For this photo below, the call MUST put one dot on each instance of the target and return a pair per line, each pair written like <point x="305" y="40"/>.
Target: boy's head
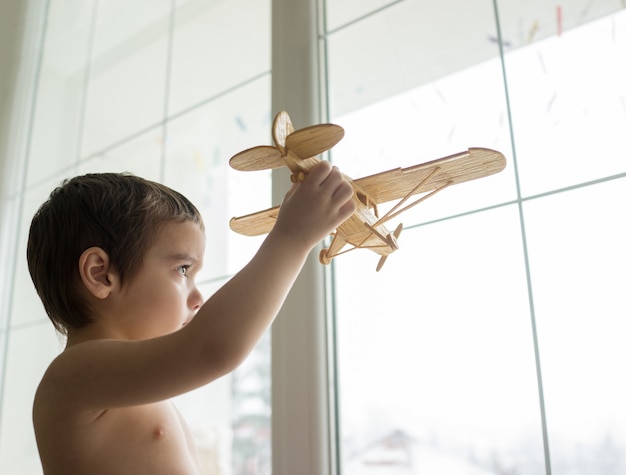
<point x="119" y="213"/>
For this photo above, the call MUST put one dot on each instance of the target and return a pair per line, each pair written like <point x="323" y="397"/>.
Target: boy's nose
<point x="195" y="300"/>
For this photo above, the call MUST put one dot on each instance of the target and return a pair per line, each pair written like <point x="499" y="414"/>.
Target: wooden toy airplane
<point x="365" y="228"/>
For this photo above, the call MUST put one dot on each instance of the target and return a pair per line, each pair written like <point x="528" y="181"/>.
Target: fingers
<point x="338" y="189"/>
<point x="343" y="191"/>
<point x="315" y="207"/>
<point x="320" y="172"/>
<point x="349" y="206"/>
<point x="330" y="178"/>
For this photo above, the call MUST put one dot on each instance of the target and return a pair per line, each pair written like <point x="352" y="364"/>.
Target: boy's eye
<point x="183" y="270"/>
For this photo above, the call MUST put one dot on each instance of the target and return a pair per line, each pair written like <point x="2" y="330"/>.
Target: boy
<point x="113" y="258"/>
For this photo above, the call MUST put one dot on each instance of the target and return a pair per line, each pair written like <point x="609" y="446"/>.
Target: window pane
<point x="340" y="12"/>
<point x="578" y="261"/>
<point x="145" y="150"/>
<point x="61" y="89"/>
<point x="435" y="353"/>
<point x="127" y="72"/>
<point x="568" y="99"/>
<point x="406" y="45"/>
<point x="30" y="350"/>
<point x="217" y="45"/>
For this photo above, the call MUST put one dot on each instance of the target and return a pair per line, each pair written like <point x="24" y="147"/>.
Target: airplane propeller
<point x="262" y="157"/>
<point x="394" y="245"/>
<point x="313" y="140"/>
<point x="304" y="144"/>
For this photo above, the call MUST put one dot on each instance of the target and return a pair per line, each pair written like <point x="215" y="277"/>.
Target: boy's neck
<point x="89" y="333"/>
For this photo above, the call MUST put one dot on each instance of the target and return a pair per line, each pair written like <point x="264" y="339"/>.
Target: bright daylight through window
<point x="436" y="358"/>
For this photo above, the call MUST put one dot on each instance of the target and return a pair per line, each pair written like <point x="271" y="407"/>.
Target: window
<point x="149" y="87"/>
<point x="497" y="321"/>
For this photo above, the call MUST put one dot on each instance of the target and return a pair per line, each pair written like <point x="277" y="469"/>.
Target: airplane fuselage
<point x="362" y="229"/>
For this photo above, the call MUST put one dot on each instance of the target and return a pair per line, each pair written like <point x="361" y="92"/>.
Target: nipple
<point x="158" y="433"/>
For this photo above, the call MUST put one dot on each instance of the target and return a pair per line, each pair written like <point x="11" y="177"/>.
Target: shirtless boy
<point x="113" y="258"/>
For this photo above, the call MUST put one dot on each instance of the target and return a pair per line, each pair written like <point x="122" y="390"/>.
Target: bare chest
<point x="142" y="439"/>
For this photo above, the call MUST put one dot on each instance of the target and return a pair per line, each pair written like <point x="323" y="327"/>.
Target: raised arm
<point x="111" y="373"/>
<point x="235" y="317"/>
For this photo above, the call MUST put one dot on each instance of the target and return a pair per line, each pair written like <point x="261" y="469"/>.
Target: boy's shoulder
<point x="69" y="383"/>
<point x="57" y="388"/>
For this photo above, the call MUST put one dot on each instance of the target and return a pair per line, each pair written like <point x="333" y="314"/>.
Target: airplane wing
<point x="255" y="224"/>
<point x="398" y="183"/>
<point x="263" y="157"/>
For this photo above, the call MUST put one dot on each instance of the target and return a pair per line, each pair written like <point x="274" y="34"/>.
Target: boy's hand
<point x="314" y="208"/>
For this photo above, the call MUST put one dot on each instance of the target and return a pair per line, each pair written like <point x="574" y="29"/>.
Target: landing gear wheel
<point x="324" y="258"/>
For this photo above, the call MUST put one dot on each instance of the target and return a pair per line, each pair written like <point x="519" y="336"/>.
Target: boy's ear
<point x="95" y="272"/>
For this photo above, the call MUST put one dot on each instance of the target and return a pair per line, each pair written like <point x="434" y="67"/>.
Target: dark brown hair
<point x="118" y="212"/>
